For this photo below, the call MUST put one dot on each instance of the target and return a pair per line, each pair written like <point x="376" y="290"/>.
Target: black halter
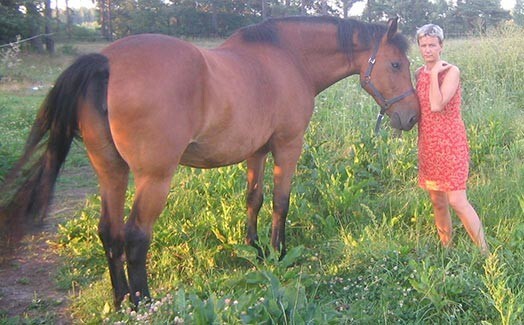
<point x="385" y="104"/>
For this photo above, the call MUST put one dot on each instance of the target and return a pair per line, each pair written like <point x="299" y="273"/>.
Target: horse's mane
<point x="268" y="31"/>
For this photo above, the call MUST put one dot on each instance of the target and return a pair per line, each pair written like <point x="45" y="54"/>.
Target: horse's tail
<point x="27" y="189"/>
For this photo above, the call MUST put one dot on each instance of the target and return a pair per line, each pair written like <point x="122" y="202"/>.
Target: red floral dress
<point x="443" y="152"/>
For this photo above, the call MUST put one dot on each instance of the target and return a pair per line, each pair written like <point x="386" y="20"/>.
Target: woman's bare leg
<point x="467" y="214"/>
<point x="439" y="200"/>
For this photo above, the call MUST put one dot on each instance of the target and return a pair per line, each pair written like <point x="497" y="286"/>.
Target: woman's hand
<point x="439" y="67"/>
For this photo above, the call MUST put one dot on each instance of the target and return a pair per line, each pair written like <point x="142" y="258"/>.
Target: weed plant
<point x="363" y="248"/>
<point x="9" y="56"/>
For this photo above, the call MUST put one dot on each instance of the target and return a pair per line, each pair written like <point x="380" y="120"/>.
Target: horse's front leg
<point x="255" y="197"/>
<point x="149" y="202"/>
<point x="286" y="157"/>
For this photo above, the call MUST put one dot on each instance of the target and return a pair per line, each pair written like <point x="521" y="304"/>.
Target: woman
<point x="443" y="148"/>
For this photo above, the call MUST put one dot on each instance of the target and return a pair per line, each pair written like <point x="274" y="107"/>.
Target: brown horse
<point x="148" y="103"/>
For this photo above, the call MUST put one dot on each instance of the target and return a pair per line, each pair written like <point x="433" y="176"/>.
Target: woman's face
<point x="430" y="48"/>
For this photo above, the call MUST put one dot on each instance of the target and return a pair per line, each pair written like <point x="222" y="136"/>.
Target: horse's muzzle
<point x="404" y="122"/>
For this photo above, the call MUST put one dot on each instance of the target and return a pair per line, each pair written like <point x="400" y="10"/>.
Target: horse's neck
<point x="314" y="48"/>
<point x="318" y="53"/>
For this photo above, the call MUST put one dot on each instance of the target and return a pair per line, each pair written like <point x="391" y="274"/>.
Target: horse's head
<point x="387" y="77"/>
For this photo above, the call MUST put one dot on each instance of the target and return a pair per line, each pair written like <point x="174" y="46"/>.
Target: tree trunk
<point x="69" y="30"/>
<point x="102" y="16"/>
<point x="34" y="26"/>
<point x="104" y="7"/>
<point x="214" y="19"/>
<point x="264" y="9"/>
<point x="49" y="41"/>
<point x="109" y="21"/>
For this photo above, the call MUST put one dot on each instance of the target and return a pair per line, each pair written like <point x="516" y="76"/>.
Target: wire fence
<point x="25" y="40"/>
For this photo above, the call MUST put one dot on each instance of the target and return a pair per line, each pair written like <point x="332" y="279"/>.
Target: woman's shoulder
<point x="452" y="73"/>
<point x="418" y="72"/>
<point x="453" y="69"/>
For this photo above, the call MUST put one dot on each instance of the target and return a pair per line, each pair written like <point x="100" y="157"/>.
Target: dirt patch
<point x="28" y="271"/>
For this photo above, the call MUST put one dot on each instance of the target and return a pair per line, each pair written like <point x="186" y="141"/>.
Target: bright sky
<point x="357" y="8"/>
<point x="73" y="3"/>
<point x="507" y="4"/>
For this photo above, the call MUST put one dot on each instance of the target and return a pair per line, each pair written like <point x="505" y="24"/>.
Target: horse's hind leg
<point x="113" y="175"/>
<point x="255" y="196"/>
<point x="150" y="200"/>
<point x="113" y="185"/>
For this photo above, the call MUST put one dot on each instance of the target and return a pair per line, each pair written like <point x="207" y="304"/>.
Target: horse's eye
<point x="395" y="65"/>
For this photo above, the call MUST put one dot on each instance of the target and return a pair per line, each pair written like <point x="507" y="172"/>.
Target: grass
<point x="362" y="244"/>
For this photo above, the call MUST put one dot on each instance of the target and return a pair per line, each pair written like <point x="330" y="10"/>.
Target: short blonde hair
<point x="430" y="30"/>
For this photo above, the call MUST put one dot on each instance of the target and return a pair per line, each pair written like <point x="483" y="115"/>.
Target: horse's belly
<point x="200" y="156"/>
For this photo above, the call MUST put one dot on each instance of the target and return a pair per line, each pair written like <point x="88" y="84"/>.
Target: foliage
<point x="9" y="56"/>
<point x="472" y="17"/>
<point x="220" y="17"/>
<point x="143" y="16"/>
<point x="362" y="244"/>
<point x="478" y="15"/>
<point x="213" y="18"/>
<point x="194" y="22"/>
<point x="77" y="33"/>
<point x="11" y="22"/>
<point x="412" y="14"/>
<point x="518" y="12"/>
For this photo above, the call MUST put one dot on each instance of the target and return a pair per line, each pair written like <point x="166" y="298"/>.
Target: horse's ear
<point x="392" y="27"/>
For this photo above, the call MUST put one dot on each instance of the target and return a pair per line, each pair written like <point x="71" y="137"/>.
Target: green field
<point x="363" y="248"/>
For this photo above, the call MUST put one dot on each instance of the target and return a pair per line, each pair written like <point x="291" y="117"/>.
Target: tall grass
<point x="363" y="246"/>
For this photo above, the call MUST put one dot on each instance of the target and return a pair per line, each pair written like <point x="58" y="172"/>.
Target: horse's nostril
<point x="410" y="123"/>
<point x="413" y="120"/>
